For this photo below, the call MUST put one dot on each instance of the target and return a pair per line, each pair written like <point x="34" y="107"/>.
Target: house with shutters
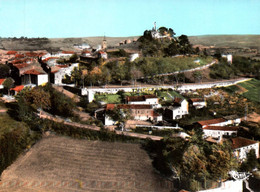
<point x="198" y="103"/>
<point x="178" y="109"/>
<point x="219" y="131"/>
<point x="138" y="112"/>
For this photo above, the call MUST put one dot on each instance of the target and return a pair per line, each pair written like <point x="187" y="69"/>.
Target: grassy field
<point x="251" y="89"/>
<point x="159" y="65"/>
<point x="65" y="164"/>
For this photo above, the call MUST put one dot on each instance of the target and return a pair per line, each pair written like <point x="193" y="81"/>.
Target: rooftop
<point x="18" y="88"/>
<point x="197" y="99"/>
<point x="125" y="106"/>
<point x="239" y="142"/>
<point x="140" y="98"/>
<point x="33" y="72"/>
<point x="211" y="121"/>
<point x="1" y="81"/>
<point x="221" y="128"/>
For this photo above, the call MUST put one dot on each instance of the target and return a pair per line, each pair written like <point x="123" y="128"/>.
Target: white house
<point x="198" y="103"/>
<point x="34" y="76"/>
<point x="228" y="57"/>
<point x="179" y="109"/>
<point x="59" y="72"/>
<point x="241" y="146"/>
<point x="133" y="57"/>
<point x="219" y="131"/>
<point x="143" y="100"/>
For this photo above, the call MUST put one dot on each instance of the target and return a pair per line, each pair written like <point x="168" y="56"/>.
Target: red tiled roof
<point x="197" y="99"/>
<point x="239" y="142"/>
<point x="31" y="54"/>
<point x="11" y="52"/>
<point x="86" y="52"/>
<point x="221" y="128"/>
<point x="68" y="52"/>
<point x="140" y="98"/>
<point x="47" y="59"/>
<point x="22" y="65"/>
<point x="33" y="72"/>
<point x="211" y="121"/>
<point x="178" y="100"/>
<point x="18" y="88"/>
<point x="62" y="66"/>
<point x="1" y="81"/>
<point x="19" y="56"/>
<point x="125" y="106"/>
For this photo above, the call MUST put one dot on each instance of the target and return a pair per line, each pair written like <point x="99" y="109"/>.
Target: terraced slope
<point x="65" y="164"/>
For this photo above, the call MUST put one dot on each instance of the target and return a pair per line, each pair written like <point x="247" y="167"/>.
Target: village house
<point x="138" y="112"/>
<point x="17" y="89"/>
<point x="213" y="122"/>
<point x="233" y="119"/>
<point x="143" y="100"/>
<point x="219" y="131"/>
<point x="198" y="103"/>
<point x="179" y="108"/>
<point x="241" y="146"/>
<point x="59" y="72"/>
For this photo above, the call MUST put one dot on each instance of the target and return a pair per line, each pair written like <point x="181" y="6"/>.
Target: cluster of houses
<point x="34" y="68"/>
<point x="143" y="108"/>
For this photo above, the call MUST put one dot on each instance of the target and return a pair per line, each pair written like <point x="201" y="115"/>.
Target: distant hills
<point x="241" y="41"/>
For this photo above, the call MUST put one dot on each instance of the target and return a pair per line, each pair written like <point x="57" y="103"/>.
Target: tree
<point x="119" y="115"/>
<point x="197" y="75"/>
<point x="8" y="84"/>
<point x="73" y="58"/>
<point x="251" y="161"/>
<point x="76" y="75"/>
<point x="185" y="46"/>
<point x="5" y="71"/>
<point x="172" y="49"/>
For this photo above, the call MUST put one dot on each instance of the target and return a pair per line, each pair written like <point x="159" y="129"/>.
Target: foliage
<point x="194" y="161"/>
<point x="8" y="84"/>
<point x="5" y="71"/>
<point x="251" y="161"/>
<point x="45" y="97"/>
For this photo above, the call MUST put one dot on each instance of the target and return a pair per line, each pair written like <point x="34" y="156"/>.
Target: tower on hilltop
<point x="104" y="43"/>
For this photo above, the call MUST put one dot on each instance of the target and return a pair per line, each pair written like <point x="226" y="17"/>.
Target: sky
<point x="121" y="18"/>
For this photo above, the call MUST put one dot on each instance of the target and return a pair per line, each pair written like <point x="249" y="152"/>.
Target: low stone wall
<point x="228" y="186"/>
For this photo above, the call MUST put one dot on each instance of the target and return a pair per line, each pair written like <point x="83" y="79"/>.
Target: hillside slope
<point x="65" y="164"/>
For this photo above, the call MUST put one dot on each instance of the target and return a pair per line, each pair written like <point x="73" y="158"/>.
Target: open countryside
<point x="126" y="96"/>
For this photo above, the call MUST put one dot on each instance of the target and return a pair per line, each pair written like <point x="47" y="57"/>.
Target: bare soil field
<point x="254" y="117"/>
<point x="63" y="164"/>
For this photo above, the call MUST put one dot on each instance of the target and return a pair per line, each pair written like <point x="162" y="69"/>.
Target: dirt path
<point x="45" y="115"/>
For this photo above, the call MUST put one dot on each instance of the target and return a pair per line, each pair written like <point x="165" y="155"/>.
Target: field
<point x="65" y="164"/>
<point x="242" y="41"/>
<point x="249" y="89"/>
